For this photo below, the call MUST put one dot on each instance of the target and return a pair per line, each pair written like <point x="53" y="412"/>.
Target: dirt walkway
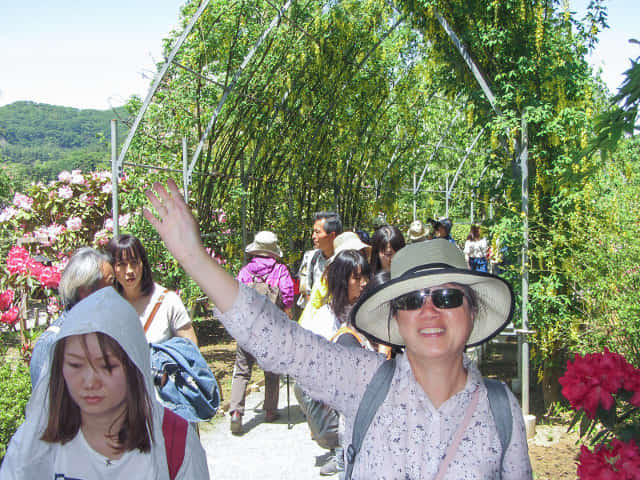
<point x="269" y="451"/>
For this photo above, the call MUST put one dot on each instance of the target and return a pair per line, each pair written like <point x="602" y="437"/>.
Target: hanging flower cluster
<point x="604" y="389"/>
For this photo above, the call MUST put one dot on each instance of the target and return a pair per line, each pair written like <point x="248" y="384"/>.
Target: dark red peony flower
<point x="591" y="381"/>
<point x="618" y="460"/>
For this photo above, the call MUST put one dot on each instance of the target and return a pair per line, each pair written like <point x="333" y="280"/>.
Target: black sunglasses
<point x="441" y="298"/>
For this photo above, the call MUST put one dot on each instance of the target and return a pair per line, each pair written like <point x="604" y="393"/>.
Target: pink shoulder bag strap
<point x="453" y="447"/>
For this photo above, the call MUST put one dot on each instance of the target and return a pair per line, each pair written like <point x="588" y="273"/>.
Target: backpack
<point x="191" y="390"/>
<point x="174" y="431"/>
<point x="272" y="292"/>
<point x="377" y="390"/>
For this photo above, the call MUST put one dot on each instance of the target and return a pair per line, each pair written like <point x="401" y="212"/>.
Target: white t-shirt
<point x="76" y="460"/>
<point x="476" y="249"/>
<point x="171" y="315"/>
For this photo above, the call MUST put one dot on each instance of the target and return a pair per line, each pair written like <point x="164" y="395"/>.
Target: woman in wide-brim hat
<point x="433" y="306"/>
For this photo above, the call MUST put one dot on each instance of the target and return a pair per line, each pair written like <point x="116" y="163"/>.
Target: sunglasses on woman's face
<point x="441" y="298"/>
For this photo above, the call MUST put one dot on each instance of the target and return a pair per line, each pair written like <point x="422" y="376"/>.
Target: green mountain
<point x="37" y="141"/>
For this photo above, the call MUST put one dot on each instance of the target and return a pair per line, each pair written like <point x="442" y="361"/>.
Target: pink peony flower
<point x="74" y="224"/>
<point x="49" y="277"/>
<point x="22" y="201"/>
<point x="108" y="224"/>
<point x="10" y="317"/>
<point x="6" y="299"/>
<point x="64" y="176"/>
<point x="107" y="188"/>
<point x="65" y="192"/>
<point x="7" y="214"/>
<point x="101" y="237"/>
<point x="53" y="306"/>
<point x="17" y="261"/>
<point x="123" y="220"/>
<point x="77" y="178"/>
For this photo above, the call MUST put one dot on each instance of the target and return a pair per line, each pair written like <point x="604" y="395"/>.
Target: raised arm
<point x="179" y="232"/>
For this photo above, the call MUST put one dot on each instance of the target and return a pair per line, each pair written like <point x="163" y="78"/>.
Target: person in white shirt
<point x="161" y="311"/>
<point x="475" y="250"/>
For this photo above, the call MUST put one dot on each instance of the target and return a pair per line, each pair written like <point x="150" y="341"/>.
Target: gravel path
<point x="268" y="451"/>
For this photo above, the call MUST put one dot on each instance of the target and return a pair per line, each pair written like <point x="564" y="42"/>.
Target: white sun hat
<point x="348" y="241"/>
<point x="428" y="264"/>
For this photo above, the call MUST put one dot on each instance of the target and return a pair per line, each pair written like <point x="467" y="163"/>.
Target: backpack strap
<point x="155" y="310"/>
<point x="344" y="330"/>
<point x="501" y="411"/>
<point x="174" y="430"/>
<point x="312" y="266"/>
<point x="373" y="397"/>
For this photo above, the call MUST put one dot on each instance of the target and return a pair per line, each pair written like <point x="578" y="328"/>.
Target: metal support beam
<point x="524" y="156"/>
<point x="116" y="173"/>
<point x="464" y="159"/>
<point x="470" y="63"/>
<point x="186" y="175"/>
<point x="435" y="151"/>
<point x="276" y="20"/>
<point x="158" y="79"/>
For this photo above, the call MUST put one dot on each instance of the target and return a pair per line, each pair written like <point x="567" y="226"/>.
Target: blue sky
<point x="89" y="54"/>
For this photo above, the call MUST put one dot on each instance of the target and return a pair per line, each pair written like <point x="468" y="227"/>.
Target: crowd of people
<point x="403" y="307"/>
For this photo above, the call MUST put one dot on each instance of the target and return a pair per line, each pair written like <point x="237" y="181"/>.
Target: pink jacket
<point x="277" y="275"/>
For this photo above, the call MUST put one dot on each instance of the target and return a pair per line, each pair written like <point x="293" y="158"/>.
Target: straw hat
<point x="417" y="231"/>
<point x="348" y="241"/>
<point x="264" y="243"/>
<point x="428" y="264"/>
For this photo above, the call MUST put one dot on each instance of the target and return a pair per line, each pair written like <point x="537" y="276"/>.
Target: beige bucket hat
<point x="417" y="231"/>
<point x="264" y="243"/>
<point x="428" y="264"/>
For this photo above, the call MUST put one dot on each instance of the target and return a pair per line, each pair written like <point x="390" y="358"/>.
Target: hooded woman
<point x="94" y="414"/>
<point x="436" y="420"/>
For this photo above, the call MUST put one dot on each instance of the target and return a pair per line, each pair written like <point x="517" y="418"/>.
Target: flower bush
<point x="604" y="389"/>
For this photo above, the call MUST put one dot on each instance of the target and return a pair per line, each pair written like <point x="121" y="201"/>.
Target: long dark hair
<point x="64" y="414"/>
<point x="474" y="233"/>
<point x="338" y="273"/>
<point x="127" y="247"/>
<point x="385" y="235"/>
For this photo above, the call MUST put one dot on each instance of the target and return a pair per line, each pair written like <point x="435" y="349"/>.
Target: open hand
<point x="174" y="222"/>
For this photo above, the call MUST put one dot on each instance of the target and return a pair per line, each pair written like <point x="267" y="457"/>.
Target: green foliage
<point x="603" y="267"/>
<point x="15" y="390"/>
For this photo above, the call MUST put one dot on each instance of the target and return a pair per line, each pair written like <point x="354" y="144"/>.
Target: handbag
<point x="188" y="387"/>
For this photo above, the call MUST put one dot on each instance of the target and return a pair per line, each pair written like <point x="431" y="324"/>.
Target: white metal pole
<point x="115" y="174"/>
<point x="524" y="154"/>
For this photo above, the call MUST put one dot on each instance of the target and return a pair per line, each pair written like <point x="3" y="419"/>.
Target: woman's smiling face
<point x="436" y="333"/>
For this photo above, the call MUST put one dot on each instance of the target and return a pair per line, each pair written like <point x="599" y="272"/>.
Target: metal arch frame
<point x="117" y="163"/>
